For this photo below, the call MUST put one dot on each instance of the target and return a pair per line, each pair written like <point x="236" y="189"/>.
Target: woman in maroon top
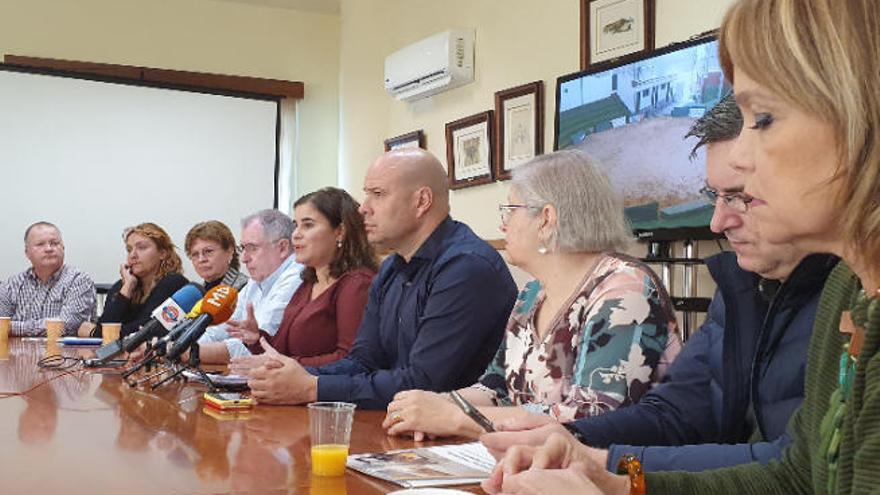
<point x="322" y="318"/>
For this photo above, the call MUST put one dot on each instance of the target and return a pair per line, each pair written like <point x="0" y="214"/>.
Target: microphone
<point x="164" y="317"/>
<point x="217" y="307"/>
<point x="178" y="329"/>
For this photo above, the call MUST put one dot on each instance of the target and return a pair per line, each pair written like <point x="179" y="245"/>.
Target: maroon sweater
<point x="322" y="330"/>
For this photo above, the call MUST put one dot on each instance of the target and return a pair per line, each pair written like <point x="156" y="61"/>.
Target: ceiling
<point x="315" y="6"/>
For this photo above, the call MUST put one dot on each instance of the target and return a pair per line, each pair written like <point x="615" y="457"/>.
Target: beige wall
<point x="198" y="35"/>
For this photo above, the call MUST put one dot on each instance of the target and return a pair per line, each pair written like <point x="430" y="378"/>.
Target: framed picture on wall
<point x="414" y="139"/>
<point x="519" y="125"/>
<point x="614" y="28"/>
<point x="469" y="150"/>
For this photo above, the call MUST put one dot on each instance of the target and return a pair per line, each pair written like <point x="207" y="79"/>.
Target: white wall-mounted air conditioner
<point x="435" y="64"/>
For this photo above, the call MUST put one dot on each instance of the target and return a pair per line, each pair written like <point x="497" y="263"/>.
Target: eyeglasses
<point x="737" y="201"/>
<point x="507" y="210"/>
<point x="206" y="253"/>
<point x="45" y="244"/>
<point x="251" y="248"/>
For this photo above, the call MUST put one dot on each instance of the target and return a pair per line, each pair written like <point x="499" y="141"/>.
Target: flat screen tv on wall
<point x="632" y="117"/>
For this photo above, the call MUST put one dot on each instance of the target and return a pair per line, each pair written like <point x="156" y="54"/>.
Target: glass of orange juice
<point x="330" y="425"/>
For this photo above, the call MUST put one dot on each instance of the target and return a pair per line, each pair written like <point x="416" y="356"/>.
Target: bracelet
<point x="632" y="467"/>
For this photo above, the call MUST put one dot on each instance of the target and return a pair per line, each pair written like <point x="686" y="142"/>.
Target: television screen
<point x="632" y="117"/>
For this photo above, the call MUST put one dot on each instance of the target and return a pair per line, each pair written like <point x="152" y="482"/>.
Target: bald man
<point x="436" y="310"/>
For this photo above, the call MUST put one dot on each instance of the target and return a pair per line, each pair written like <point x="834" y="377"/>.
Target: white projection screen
<point x="94" y="157"/>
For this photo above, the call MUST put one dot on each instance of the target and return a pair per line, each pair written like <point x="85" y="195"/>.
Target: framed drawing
<point x="414" y="139"/>
<point x="614" y="28"/>
<point x="519" y="124"/>
<point x="469" y="150"/>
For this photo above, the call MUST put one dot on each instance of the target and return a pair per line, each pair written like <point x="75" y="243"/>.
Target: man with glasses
<point x="727" y="398"/>
<point x="267" y="253"/>
<point x="436" y="311"/>
<point x="48" y="289"/>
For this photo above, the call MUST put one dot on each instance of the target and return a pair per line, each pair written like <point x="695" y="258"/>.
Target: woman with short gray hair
<point x="592" y="332"/>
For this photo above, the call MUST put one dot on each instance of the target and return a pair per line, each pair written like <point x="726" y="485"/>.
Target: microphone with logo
<point x="217" y="307"/>
<point x="165" y="317"/>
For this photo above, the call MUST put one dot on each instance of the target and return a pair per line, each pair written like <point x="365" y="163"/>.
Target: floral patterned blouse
<point x="604" y="350"/>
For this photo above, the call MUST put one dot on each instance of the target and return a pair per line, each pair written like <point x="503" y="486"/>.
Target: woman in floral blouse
<point x="594" y="330"/>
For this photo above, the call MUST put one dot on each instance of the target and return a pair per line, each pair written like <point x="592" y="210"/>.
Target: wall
<point x="198" y="35"/>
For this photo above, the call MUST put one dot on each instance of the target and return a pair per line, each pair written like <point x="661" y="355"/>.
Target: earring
<point x="339" y="243"/>
<point x="542" y="249"/>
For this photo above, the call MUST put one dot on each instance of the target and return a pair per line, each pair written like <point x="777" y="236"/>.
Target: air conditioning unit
<point x="430" y="66"/>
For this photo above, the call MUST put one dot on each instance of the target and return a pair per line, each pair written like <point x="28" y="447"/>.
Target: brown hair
<point x="170" y="264"/>
<point x="216" y="231"/>
<point x="339" y="208"/>
<point x="822" y="56"/>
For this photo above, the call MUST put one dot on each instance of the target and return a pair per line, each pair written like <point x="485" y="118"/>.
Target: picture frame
<point x="612" y="29"/>
<point x="519" y="127"/>
<point x="470" y="150"/>
<point x="414" y="139"/>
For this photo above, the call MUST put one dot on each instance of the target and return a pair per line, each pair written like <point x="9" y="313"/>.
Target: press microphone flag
<point x="217" y="307"/>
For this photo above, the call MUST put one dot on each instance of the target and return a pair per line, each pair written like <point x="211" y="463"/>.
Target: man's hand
<point x="288" y="384"/>
<point x="246" y="330"/>
<point x="531" y="429"/>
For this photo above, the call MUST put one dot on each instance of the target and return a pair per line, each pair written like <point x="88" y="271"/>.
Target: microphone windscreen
<point x="187" y="296"/>
<point x="195" y="311"/>
<point x="220" y="303"/>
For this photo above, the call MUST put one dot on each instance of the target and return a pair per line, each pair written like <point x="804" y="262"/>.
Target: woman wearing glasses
<point x="150" y="275"/>
<point x="210" y="247"/>
<point x="321" y="321"/>
<point x="592" y="332"/>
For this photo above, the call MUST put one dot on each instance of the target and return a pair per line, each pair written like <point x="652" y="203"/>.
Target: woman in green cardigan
<point x="806" y="75"/>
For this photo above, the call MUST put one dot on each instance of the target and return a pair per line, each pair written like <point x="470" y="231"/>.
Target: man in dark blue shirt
<point x="436" y="311"/>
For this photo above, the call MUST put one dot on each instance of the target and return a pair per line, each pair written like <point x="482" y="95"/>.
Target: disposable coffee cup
<point x="330" y="427"/>
<point x="54" y="328"/>
<point x="5" y="327"/>
<point x="110" y="331"/>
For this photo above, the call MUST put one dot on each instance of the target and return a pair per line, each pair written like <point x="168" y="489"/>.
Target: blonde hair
<point x="822" y="56"/>
<point x="170" y="263"/>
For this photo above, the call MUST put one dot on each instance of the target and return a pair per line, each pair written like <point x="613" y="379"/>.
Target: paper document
<point x="428" y="466"/>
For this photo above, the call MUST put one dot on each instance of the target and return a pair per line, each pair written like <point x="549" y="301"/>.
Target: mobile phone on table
<point x="228" y="401"/>
<point x="472" y="411"/>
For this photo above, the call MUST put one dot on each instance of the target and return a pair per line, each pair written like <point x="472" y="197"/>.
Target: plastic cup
<point x="330" y="426"/>
<point x="110" y="332"/>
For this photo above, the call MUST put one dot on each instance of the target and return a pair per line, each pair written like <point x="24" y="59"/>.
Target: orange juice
<point x="329" y="459"/>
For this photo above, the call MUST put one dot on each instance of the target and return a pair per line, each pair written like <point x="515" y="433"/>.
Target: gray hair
<point x="276" y="225"/>
<point x="590" y="215"/>
<point x="27" y="231"/>
<point x="722" y="122"/>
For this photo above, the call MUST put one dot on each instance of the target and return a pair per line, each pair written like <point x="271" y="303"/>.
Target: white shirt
<point x="269" y="297"/>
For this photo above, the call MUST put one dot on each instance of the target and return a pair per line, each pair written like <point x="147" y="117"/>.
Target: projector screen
<point x="95" y="157"/>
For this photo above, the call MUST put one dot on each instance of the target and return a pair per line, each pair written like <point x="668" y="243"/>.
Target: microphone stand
<point x="193" y="366"/>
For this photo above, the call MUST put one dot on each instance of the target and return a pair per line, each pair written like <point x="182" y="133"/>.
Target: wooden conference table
<point x="89" y="432"/>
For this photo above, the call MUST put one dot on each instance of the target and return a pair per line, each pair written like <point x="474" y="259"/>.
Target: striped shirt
<point x="69" y="294"/>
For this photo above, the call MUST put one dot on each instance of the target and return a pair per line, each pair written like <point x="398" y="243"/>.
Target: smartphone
<point x="228" y="401"/>
<point x="472" y="411"/>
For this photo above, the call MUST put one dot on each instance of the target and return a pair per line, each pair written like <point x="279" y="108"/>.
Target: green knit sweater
<point x="803" y="469"/>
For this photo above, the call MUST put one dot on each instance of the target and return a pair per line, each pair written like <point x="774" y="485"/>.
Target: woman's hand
<point x="558" y="452"/>
<point x="246" y="330"/>
<point x="129" y="281"/>
<point x="570" y="481"/>
<point x="421" y="413"/>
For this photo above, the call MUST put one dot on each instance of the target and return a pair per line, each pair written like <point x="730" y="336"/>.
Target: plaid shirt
<point x="69" y="294"/>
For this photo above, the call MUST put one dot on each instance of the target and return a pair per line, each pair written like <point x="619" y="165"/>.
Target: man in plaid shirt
<point x="48" y="289"/>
